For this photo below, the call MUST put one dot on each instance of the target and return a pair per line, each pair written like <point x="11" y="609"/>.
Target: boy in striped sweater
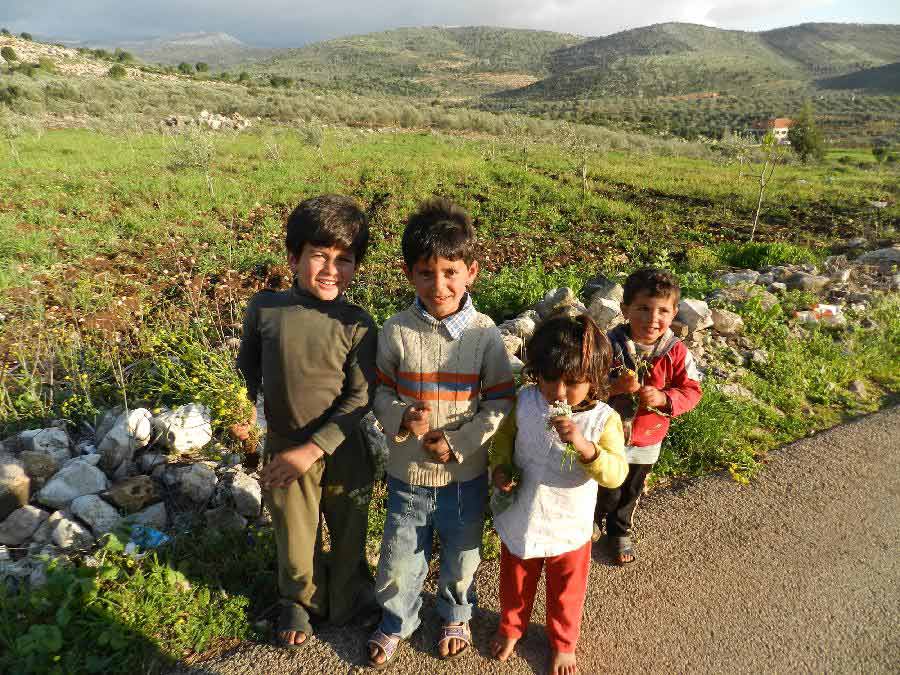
<point x="444" y="386"/>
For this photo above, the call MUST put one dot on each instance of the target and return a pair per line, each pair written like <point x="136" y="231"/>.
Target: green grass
<point x="122" y="276"/>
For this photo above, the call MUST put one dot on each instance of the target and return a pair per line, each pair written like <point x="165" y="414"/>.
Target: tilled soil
<point x="797" y="572"/>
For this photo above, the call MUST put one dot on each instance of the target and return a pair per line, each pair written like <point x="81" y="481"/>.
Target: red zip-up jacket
<point x="672" y="371"/>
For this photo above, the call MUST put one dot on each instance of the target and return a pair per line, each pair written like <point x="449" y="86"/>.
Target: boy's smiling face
<point x="323" y="271"/>
<point x="649" y="317"/>
<point x="441" y="283"/>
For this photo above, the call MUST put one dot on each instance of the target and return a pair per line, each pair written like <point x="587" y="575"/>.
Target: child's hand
<point x="627" y="383"/>
<point x="569" y="433"/>
<point x="416" y="418"/>
<point x="502" y="481"/>
<point x="651" y="397"/>
<point x="288" y="466"/>
<point x="434" y="443"/>
<point x="241" y="431"/>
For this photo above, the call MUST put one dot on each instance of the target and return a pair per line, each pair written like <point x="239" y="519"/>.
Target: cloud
<point x="291" y="23"/>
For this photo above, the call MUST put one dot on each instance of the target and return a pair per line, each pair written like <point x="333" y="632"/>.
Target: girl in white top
<point x="551" y="466"/>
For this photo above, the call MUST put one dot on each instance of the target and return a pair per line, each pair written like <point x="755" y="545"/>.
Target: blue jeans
<point x="414" y="513"/>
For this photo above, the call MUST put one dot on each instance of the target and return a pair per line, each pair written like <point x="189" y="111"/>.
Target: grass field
<point x="126" y="259"/>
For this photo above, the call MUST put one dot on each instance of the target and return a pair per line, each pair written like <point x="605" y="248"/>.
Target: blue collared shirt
<point x="454" y="324"/>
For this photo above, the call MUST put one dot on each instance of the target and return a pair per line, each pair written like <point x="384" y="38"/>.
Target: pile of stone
<point x="59" y="495"/>
<point x="206" y="120"/>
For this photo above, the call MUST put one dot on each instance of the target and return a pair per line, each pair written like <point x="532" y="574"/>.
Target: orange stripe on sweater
<point x="509" y="384"/>
<point x="438" y="395"/>
<point x="384" y="379"/>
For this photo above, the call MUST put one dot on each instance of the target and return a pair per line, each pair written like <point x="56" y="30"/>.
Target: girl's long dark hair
<point x="571" y="348"/>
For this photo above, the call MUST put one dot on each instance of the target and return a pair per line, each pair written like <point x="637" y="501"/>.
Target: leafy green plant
<point x="117" y="72"/>
<point x="9" y="54"/>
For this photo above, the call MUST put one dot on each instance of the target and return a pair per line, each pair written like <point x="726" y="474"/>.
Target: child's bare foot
<point x="288" y="638"/>
<point x="502" y="646"/>
<point x="563" y="664"/>
<point x="624" y="558"/>
<point x="454" y="640"/>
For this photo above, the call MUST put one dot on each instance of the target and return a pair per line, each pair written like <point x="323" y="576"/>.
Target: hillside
<point x="427" y="61"/>
<point x="883" y="79"/>
<point x="677" y="59"/>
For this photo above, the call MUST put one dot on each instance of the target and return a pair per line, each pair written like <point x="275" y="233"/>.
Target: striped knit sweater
<point x="467" y="382"/>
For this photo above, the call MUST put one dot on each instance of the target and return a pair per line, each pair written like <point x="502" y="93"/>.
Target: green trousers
<point x="338" y="487"/>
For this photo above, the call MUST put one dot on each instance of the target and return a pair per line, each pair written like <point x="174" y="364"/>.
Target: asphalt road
<point x="797" y="572"/>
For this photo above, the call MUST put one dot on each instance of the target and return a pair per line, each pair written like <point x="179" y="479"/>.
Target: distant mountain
<point x="677" y="59"/>
<point x="429" y="61"/>
<point x="220" y="50"/>
<point x="880" y="80"/>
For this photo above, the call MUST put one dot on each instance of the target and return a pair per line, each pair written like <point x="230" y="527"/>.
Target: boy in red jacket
<point x="655" y="380"/>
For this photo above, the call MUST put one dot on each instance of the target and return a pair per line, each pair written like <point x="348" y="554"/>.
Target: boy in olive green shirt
<point x="313" y="356"/>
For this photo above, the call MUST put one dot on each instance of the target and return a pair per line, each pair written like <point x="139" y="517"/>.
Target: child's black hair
<point x="572" y="349"/>
<point x="654" y="282"/>
<point x="438" y="228"/>
<point x="328" y="220"/>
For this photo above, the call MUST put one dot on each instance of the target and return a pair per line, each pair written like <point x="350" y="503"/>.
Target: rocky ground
<point x="797" y="572"/>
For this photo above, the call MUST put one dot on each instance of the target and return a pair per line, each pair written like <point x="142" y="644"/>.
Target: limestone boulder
<point x="523" y="326"/>
<point x="154" y="516"/>
<point x="132" y="431"/>
<point x="69" y="533"/>
<point x="39" y="466"/>
<point x="15" y="485"/>
<point x="246" y="494"/>
<point x="606" y="312"/>
<point x="225" y="519"/>
<point x="885" y="258"/>
<point x="107" y="422"/>
<point x="133" y="494"/>
<point x="21" y="524"/>
<point x="740" y="295"/>
<point x="99" y="515"/>
<point x="695" y="314"/>
<point x="196" y="482"/>
<point x="726" y="322"/>
<point x="739" y="277"/>
<point x="556" y="299"/>
<point x="186" y="428"/>
<point x="512" y="343"/>
<point x="52" y="441"/>
<point x="603" y="287"/>
<point x="73" y="481"/>
<point x="804" y="281"/>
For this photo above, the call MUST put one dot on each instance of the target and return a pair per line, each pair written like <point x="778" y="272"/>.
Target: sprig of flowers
<point x="570" y="454"/>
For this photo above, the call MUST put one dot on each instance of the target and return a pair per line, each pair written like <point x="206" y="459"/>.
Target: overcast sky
<point x="286" y="23"/>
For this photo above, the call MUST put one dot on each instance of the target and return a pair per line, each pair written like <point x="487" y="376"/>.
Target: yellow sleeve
<point x="610" y="467"/>
<point x="503" y="444"/>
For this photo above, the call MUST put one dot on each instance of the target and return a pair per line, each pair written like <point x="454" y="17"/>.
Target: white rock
<point x="840" y="276"/>
<point x="806" y="282"/>
<point x="553" y="299"/>
<point x="44" y="533"/>
<point x="695" y="314"/>
<point x="186" y="428"/>
<point x="69" y="533"/>
<point x="726" y="322"/>
<point x="512" y="343"/>
<point x="86" y="448"/>
<point x="765" y="279"/>
<point x="196" y="482"/>
<point x="153" y="516"/>
<point x="52" y="441"/>
<point x="857" y="242"/>
<point x="605" y="312"/>
<point x="150" y="461"/>
<point x="604" y="287"/>
<point x="739" y="277"/>
<point x="76" y="480"/>
<point x="777" y="287"/>
<point x="90" y="460"/>
<point x="224" y="518"/>
<point x="21" y="524"/>
<point x="735" y="390"/>
<point x="100" y="516"/>
<point x="522" y="326"/>
<point x="132" y="431"/>
<point x="107" y="422"/>
<point x="247" y="495"/>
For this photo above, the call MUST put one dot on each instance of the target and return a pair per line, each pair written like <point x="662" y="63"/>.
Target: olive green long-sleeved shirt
<point x="315" y="363"/>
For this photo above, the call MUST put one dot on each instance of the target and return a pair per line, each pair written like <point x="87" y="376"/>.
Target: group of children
<point x="571" y="449"/>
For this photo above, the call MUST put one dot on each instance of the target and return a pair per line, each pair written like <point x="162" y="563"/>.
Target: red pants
<point x="567" y="576"/>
